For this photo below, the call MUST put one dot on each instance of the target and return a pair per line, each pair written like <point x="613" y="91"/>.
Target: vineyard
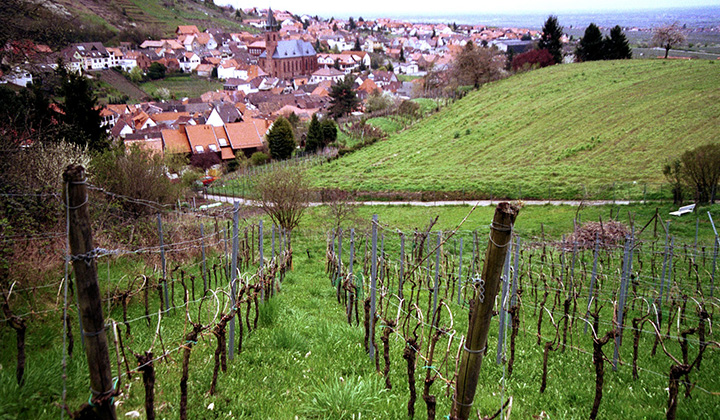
<point x="602" y="296"/>
<point x="240" y="319"/>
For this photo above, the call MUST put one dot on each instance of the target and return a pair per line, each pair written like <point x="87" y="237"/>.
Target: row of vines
<point x="604" y="294"/>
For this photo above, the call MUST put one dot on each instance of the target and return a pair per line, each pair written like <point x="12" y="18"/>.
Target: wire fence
<point x="634" y="289"/>
<point x="423" y="283"/>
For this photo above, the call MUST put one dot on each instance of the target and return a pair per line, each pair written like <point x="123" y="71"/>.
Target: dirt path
<point x="479" y="203"/>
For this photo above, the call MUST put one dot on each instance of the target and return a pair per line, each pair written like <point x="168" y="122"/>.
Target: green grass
<point x="304" y="360"/>
<point x="565" y="131"/>
<point x="182" y="86"/>
<point x="387" y="124"/>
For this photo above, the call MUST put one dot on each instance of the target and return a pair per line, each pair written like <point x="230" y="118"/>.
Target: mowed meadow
<point x="560" y="132"/>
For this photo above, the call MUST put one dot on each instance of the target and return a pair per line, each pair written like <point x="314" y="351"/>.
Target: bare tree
<point x="284" y="196"/>
<point x="701" y="170"/>
<point x="340" y="209"/>
<point x="477" y="65"/>
<point x="667" y="37"/>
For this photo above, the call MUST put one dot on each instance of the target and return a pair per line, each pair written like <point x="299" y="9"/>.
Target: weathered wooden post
<point x="482" y="305"/>
<point x="204" y="263"/>
<point x="83" y="255"/>
<point x="233" y="276"/>
<point x="162" y="261"/>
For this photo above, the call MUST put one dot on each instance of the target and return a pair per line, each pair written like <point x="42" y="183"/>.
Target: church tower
<point x="271" y="40"/>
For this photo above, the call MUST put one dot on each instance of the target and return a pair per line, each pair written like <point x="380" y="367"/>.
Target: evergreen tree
<point x="402" y="54"/>
<point x="591" y="45"/>
<point x="281" y="140"/>
<point x="81" y="115"/>
<point x="351" y="23"/>
<point x="616" y="45"/>
<point x="329" y="131"/>
<point x="293" y="119"/>
<point x="156" y="71"/>
<point x="551" y="38"/>
<point x="344" y="99"/>
<point x="357" y="45"/>
<point x="314" y="139"/>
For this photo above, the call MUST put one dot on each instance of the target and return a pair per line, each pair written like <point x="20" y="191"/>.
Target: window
<point x="213" y="148"/>
<point x="223" y="142"/>
<point x="199" y="149"/>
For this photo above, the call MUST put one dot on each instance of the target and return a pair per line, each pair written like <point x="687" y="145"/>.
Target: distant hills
<point x="554" y="131"/>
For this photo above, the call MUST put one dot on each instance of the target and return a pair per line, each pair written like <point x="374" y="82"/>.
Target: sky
<point x="382" y="8"/>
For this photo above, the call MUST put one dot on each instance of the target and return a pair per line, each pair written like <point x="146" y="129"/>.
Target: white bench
<point x="683" y="210"/>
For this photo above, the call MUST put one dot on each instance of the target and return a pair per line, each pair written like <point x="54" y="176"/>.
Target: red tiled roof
<point x="246" y="134"/>
<point x="202" y="136"/>
<point x="175" y="141"/>
<point x="226" y="153"/>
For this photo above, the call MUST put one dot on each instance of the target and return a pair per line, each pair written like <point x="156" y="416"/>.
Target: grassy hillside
<point x="182" y="85"/>
<point x="156" y="17"/>
<point x="558" y="131"/>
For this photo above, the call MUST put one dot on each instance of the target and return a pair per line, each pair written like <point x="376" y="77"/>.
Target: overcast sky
<point x="378" y="8"/>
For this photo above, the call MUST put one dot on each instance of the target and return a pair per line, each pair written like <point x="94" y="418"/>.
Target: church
<point x="286" y="59"/>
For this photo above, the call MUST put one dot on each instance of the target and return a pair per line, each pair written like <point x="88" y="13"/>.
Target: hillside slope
<point x="155" y="17"/>
<point x="554" y="131"/>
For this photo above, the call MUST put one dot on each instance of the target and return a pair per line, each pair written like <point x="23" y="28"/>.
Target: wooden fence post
<point x="373" y="284"/>
<point x="482" y="305"/>
<point x="83" y="255"/>
<point x="162" y="261"/>
<point x="233" y="276"/>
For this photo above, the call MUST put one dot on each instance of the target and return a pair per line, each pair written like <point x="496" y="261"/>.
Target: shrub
<point x="204" y="161"/>
<point x="532" y="60"/>
<point x="240" y="161"/>
<point x="137" y="174"/>
<point x="259" y="158"/>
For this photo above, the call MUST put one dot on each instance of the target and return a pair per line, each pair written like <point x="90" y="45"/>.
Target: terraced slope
<point x="161" y="15"/>
<point x="557" y="131"/>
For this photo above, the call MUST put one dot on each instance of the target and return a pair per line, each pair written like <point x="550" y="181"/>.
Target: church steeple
<point x="271" y="40"/>
<point x="271" y="24"/>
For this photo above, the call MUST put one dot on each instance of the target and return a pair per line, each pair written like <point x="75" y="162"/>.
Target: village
<point x="287" y="67"/>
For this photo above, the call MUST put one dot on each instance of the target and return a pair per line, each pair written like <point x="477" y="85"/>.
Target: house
<point x="150" y="140"/>
<point x="327" y="73"/>
<point x="92" y="55"/>
<point x="406" y="68"/>
<point x="132" y="59"/>
<point x="517" y="46"/>
<point x="383" y="78"/>
<point x="202" y="139"/>
<point x="231" y="68"/>
<point x="205" y="41"/>
<point x="189" y="62"/>
<point x="175" y="141"/>
<point x="256" y="48"/>
<point x="205" y="70"/>
<point x="222" y="114"/>
<point x="246" y="136"/>
<point x="187" y="30"/>
<point x="17" y="76"/>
